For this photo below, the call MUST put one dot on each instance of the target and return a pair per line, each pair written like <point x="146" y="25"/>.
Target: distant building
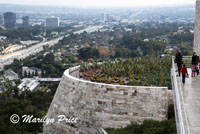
<point x="9" y="19"/>
<point x="31" y="71"/>
<point x="146" y="40"/>
<point x="1" y="68"/>
<point x="2" y="84"/>
<point x="102" y="18"/>
<point x="35" y="83"/>
<point x="29" y="84"/>
<point x="25" y="21"/>
<point x="2" y="38"/>
<point x="109" y="18"/>
<point x="106" y="18"/>
<point x="1" y="19"/>
<point x="11" y="75"/>
<point x="52" y="22"/>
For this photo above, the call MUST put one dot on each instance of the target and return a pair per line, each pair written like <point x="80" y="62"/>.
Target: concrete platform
<point x="190" y="103"/>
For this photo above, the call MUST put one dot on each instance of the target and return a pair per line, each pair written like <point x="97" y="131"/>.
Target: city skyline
<point x="100" y="3"/>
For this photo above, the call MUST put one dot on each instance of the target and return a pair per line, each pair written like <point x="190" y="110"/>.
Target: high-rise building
<point x="9" y="19"/>
<point x="1" y="19"/>
<point x="52" y="22"/>
<point x="109" y="18"/>
<point x="103" y="18"/>
<point x="25" y="21"/>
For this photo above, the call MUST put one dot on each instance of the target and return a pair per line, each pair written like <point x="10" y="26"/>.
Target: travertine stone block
<point x="98" y="105"/>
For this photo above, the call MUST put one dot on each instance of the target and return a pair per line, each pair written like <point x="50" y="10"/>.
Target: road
<point x="21" y="54"/>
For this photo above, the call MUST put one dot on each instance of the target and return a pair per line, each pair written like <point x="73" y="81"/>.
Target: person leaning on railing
<point x="179" y="61"/>
<point x="195" y="61"/>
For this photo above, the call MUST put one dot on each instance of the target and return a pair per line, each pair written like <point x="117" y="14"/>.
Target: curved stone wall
<point x="98" y="105"/>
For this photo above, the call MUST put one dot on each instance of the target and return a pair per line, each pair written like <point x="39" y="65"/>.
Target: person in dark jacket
<point x="195" y="60"/>
<point x="179" y="61"/>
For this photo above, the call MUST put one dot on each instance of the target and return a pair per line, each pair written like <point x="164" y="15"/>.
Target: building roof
<point x="10" y="73"/>
<point x="29" y="84"/>
<point x="32" y="83"/>
<point x="34" y="68"/>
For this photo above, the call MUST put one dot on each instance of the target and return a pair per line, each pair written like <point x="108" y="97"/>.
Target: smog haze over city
<point x="102" y="63"/>
<point x="101" y="3"/>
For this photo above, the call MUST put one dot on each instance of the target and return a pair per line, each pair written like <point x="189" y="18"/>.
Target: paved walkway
<point x="190" y="103"/>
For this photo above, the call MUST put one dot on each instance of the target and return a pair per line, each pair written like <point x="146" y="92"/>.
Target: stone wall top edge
<point x="67" y="74"/>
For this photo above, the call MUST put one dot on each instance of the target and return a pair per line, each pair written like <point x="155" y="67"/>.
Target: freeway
<point x="21" y="54"/>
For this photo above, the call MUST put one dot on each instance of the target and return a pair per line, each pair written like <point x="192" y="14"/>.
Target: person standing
<point x="178" y="60"/>
<point x="184" y="73"/>
<point x="195" y="60"/>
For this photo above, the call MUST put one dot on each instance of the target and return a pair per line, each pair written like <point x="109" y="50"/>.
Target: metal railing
<point x="177" y="100"/>
<point x="187" y="60"/>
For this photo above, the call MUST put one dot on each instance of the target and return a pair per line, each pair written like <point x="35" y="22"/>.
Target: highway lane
<point x="21" y="54"/>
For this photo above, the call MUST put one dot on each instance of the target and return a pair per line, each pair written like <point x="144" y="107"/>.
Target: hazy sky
<point x="100" y="3"/>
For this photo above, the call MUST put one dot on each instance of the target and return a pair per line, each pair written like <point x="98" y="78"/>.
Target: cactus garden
<point x="141" y="71"/>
